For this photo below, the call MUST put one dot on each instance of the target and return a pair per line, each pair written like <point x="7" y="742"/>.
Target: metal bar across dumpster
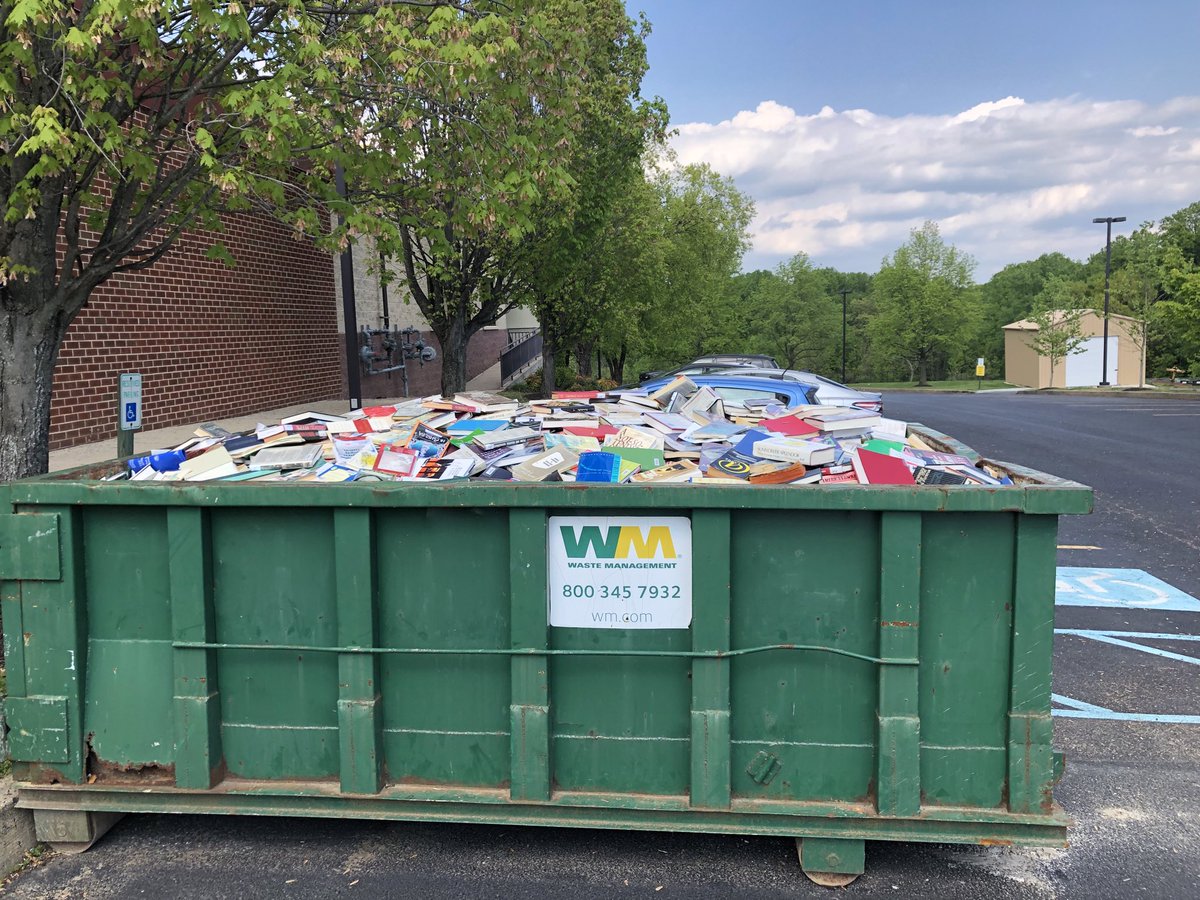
<point x="840" y="663"/>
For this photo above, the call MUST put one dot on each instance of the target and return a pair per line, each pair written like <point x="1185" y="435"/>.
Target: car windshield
<point x="738" y="394"/>
<point x="829" y="381"/>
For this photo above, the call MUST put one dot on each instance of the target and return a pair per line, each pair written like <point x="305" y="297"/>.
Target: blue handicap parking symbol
<point x="1124" y="588"/>
<point x="130" y="412"/>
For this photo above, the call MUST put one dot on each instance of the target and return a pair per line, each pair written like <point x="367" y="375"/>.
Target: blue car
<point x="737" y="388"/>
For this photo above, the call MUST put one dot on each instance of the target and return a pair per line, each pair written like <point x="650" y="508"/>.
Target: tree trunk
<point x="28" y="351"/>
<point x="616" y="365"/>
<point x="583" y="353"/>
<point x="454" y="357"/>
<point x="922" y="373"/>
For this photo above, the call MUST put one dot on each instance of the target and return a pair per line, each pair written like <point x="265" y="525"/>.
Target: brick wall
<point x="209" y="340"/>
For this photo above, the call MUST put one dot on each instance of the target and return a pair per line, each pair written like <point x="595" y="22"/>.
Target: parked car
<point x="714" y="363"/>
<point x="736" y="389"/>
<point x="738" y="359"/>
<point x="829" y="392"/>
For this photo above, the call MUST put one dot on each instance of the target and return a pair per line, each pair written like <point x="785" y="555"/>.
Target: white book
<point x="811" y="453"/>
<point x="503" y="436"/>
<point x="295" y="456"/>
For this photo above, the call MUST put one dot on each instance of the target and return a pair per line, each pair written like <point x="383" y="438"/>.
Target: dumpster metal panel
<point x="444" y="585"/>
<point x="861" y="662"/>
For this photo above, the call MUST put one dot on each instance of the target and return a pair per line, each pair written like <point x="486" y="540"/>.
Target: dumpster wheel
<point x="821" y="858"/>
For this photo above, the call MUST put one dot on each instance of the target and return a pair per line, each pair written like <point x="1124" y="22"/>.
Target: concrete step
<point x="534" y="365"/>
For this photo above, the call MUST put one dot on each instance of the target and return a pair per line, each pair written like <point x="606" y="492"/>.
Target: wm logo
<point x="618" y="542"/>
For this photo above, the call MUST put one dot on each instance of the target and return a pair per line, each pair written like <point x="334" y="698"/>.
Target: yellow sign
<point x="979" y="371"/>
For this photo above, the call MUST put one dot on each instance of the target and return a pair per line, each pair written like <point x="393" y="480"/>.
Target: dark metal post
<point x="387" y="319"/>
<point x="349" y="313"/>
<point x="1108" y="221"/>
<point x="844" y="292"/>
<point x="124" y="442"/>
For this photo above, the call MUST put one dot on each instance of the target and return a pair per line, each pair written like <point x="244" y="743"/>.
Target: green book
<point x="644" y="458"/>
<point x="878" y="445"/>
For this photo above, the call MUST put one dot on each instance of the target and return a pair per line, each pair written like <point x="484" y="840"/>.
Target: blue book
<point x="597" y="466"/>
<point x="476" y="425"/>
<point x="752" y="437"/>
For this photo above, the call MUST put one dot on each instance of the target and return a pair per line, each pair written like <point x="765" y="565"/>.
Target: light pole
<point x="844" y="292"/>
<point x="1108" y="221"/>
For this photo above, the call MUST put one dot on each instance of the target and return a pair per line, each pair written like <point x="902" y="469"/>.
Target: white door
<point x="1085" y="367"/>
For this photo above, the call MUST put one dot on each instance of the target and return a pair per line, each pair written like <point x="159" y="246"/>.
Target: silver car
<point x="829" y="392"/>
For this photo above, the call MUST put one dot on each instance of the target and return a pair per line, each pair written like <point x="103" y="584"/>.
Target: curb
<point x="16" y="829"/>
<point x="1124" y="394"/>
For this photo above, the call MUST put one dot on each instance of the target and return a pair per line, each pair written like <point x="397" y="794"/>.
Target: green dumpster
<point x="834" y="663"/>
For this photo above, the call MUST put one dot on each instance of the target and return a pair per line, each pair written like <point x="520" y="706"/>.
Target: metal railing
<point x="519" y="336"/>
<point x="521" y="353"/>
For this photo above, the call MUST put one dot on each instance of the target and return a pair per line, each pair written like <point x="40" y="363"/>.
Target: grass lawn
<point x="967" y="385"/>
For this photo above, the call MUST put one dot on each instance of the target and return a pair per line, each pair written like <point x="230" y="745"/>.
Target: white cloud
<point x="1006" y="179"/>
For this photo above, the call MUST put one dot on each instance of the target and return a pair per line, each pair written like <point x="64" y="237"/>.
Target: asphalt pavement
<point x="1133" y="772"/>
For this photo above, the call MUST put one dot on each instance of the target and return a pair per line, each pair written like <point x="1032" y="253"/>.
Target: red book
<point x="792" y="426"/>
<point x="378" y="410"/>
<point x="600" y="431"/>
<point x="877" y="468"/>
<point x="576" y="395"/>
<point x="363" y="426"/>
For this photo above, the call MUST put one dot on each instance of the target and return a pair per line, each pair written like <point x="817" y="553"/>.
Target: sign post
<point x="129" y="412"/>
<point x="980" y="371"/>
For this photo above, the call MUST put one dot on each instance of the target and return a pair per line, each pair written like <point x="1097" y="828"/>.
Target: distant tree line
<point x="920" y="317"/>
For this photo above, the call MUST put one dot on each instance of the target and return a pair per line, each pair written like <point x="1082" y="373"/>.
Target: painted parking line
<point x="1122" y="588"/>
<point x="1095" y="712"/>
<point x="1118" y="639"/>
<point x="1078" y="709"/>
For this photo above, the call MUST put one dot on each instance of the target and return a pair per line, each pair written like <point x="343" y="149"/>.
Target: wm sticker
<point x="619" y="571"/>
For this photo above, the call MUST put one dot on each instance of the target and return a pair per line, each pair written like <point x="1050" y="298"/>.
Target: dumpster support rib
<point x="530" y="709"/>
<point x="360" y="717"/>
<point x="197" y="698"/>
<point x="710" y="745"/>
<point x="898" y="775"/>
<point x="1030" y="754"/>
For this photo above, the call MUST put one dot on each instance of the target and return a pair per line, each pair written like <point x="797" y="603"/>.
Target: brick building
<point x="209" y="340"/>
<point x="213" y="341"/>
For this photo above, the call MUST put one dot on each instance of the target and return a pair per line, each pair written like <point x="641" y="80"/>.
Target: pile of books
<point x="680" y="433"/>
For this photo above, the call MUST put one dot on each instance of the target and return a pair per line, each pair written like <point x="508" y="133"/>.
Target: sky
<point x="1012" y="125"/>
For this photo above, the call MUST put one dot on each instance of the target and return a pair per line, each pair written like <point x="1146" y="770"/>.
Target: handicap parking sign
<point x="131" y="401"/>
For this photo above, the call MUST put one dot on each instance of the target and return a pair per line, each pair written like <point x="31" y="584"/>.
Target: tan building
<point x="1126" y="354"/>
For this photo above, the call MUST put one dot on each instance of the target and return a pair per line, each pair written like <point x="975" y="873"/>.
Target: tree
<point x="565" y="253"/>
<point x="1059" y="330"/>
<point x="1010" y="295"/>
<point x="1181" y="311"/>
<point x="494" y="136"/>
<point x="921" y="302"/>
<point x="125" y="123"/>
<point x="792" y="316"/>
<point x="1137" y="287"/>
<point x="705" y="232"/>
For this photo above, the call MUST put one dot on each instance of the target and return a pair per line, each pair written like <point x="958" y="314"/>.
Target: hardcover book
<point x="876" y="468"/>
<point x="801" y="450"/>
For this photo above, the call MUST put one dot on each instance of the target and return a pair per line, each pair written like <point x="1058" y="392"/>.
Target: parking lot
<point x="1127" y="708"/>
